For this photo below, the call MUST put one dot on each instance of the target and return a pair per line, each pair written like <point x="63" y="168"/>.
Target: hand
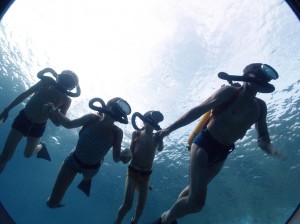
<point x="3" y="116"/>
<point x="161" y="134"/>
<point x="126" y="155"/>
<point x="49" y="108"/>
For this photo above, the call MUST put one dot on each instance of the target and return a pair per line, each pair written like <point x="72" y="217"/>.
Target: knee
<point x="127" y="206"/>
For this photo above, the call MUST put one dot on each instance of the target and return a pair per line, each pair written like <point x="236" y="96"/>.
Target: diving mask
<point x="151" y="117"/>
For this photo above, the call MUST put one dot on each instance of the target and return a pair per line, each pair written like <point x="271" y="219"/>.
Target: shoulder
<point x="226" y="91"/>
<point x="45" y="83"/>
<point x="224" y="95"/>
<point x="117" y="130"/>
<point x="90" y="118"/>
<point x="261" y="102"/>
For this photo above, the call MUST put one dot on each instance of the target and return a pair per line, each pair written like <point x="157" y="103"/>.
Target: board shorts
<point x="28" y="128"/>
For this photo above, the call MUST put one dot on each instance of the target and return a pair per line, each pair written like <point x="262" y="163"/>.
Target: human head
<point x="119" y="109"/>
<point x="68" y="79"/>
<point x="262" y="74"/>
<point x="153" y="118"/>
<point x="257" y="73"/>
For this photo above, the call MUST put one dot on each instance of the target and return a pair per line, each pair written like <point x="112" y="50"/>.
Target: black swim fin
<point x="43" y="153"/>
<point x="85" y="186"/>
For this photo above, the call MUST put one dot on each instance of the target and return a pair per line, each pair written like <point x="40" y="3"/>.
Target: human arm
<point x="63" y="109"/>
<point x="263" y="137"/>
<point x="117" y="141"/>
<point x="18" y="100"/>
<point x="160" y="143"/>
<point x="218" y="98"/>
<point x="55" y="115"/>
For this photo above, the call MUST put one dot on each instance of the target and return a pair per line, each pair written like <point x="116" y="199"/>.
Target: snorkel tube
<point x="119" y="112"/>
<point x="263" y="74"/>
<point x="151" y="117"/>
<point x="56" y="82"/>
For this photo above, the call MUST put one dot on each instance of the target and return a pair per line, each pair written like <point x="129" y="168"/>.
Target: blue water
<point x="173" y="70"/>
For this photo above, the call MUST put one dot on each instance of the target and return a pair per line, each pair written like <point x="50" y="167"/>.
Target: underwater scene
<point x="157" y="55"/>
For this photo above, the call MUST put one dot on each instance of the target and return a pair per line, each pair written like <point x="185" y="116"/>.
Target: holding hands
<point x="126" y="155"/>
<point x="51" y="111"/>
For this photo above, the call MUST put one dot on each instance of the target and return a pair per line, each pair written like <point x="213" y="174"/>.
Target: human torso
<point x="234" y="121"/>
<point x="46" y="93"/>
<point x="94" y="142"/>
<point x="144" y="150"/>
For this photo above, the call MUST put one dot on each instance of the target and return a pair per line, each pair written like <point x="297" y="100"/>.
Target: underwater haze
<point x="157" y="55"/>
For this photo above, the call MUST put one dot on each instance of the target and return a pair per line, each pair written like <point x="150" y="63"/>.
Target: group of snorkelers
<point x="232" y="109"/>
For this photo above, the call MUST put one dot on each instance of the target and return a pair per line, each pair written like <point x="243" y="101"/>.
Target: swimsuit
<point x="28" y="128"/>
<point x="88" y="154"/>
<point x="216" y="152"/>
<point x="138" y="175"/>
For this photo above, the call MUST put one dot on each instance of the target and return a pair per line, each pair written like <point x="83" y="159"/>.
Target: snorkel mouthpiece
<point x="263" y="74"/>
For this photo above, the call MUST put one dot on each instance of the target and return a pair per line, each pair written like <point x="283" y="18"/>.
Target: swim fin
<point x="85" y="186"/>
<point x="4" y="216"/>
<point x="43" y="153"/>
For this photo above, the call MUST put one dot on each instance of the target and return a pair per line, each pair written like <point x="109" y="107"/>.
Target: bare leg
<point x="12" y="141"/>
<point x="127" y="204"/>
<point x="32" y="146"/>
<point x="65" y="177"/>
<point x="142" y="197"/>
<point x="196" y="197"/>
<point x="211" y="173"/>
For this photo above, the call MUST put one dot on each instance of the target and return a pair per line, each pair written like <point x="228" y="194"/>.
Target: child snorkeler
<point x="143" y="147"/>
<point x="31" y="121"/>
<point x="97" y="135"/>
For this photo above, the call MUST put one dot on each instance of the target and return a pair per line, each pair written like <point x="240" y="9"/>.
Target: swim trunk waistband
<point x="139" y="172"/>
<point x="86" y="166"/>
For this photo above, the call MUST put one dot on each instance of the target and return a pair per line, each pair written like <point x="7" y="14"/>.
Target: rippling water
<point x="161" y="55"/>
